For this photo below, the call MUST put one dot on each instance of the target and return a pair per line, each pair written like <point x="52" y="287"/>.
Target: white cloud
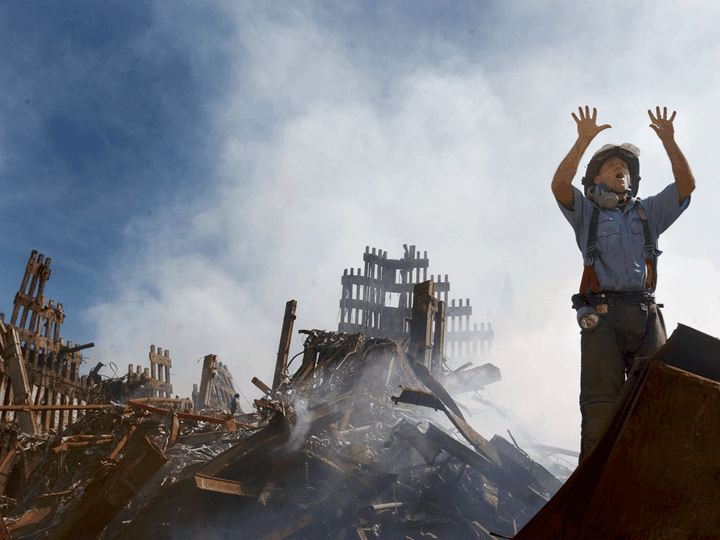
<point x="452" y="159"/>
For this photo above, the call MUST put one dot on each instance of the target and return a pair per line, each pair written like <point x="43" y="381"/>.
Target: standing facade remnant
<point x="377" y="302"/>
<point x="216" y="386"/>
<point x="209" y="372"/>
<point x="160" y="365"/>
<point x="52" y="367"/>
<point x="53" y="384"/>
<point x="10" y="346"/>
<point x="421" y="325"/>
<point x="155" y="380"/>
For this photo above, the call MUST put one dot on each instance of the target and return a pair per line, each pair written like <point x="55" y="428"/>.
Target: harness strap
<point x="589" y="282"/>
<point x="649" y="247"/>
<point x="589" y="277"/>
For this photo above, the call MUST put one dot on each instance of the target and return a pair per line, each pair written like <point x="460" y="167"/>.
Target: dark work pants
<point x="629" y="329"/>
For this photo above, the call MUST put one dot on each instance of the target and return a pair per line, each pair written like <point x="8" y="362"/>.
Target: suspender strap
<point x="589" y="282"/>
<point x="649" y="247"/>
<point x="589" y="277"/>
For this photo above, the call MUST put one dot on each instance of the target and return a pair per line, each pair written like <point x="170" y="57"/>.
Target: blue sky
<point x="189" y="167"/>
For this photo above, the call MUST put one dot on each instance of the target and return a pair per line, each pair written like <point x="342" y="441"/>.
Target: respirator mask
<point x="604" y="197"/>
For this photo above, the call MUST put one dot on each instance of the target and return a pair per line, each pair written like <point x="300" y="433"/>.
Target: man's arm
<point x="562" y="181"/>
<point x="684" y="179"/>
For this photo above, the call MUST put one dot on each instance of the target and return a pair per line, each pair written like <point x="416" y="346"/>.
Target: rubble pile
<point x="348" y="448"/>
<point x="43" y="478"/>
<point x="362" y="439"/>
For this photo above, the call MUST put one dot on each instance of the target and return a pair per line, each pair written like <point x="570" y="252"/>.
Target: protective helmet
<point x="625" y="151"/>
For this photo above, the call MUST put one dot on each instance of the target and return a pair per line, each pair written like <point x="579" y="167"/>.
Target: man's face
<point x="615" y="174"/>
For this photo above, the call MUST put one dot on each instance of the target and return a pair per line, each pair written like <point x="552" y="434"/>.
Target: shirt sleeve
<point x="576" y="215"/>
<point x="579" y="217"/>
<point x="664" y="208"/>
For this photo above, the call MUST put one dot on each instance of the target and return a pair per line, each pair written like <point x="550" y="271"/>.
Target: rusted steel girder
<point x="180" y="415"/>
<point x="18" y="377"/>
<point x="109" y="492"/>
<point x="51" y="407"/>
<point x="284" y="346"/>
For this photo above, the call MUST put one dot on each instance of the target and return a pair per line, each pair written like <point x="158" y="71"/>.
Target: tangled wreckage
<point x="363" y="440"/>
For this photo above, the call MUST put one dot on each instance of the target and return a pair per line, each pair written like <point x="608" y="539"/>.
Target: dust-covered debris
<point x="337" y="457"/>
<point x="362" y="438"/>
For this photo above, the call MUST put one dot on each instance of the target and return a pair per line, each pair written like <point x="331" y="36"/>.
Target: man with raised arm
<point x="617" y="233"/>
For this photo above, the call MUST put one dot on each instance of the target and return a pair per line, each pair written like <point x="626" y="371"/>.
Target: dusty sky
<point x="191" y="166"/>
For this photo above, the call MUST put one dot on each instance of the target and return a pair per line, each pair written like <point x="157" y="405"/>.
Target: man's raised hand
<point x="661" y="124"/>
<point x="587" y="125"/>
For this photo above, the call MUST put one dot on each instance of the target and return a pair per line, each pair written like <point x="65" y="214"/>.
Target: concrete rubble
<point x="360" y="439"/>
<point x="347" y="447"/>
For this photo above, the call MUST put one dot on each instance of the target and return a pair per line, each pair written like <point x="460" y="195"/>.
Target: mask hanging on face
<point x="603" y="196"/>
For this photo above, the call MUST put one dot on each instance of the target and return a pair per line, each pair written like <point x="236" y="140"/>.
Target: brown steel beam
<point x="424" y="305"/>
<point x="231" y="487"/>
<point x="109" y="492"/>
<point x="18" y="377"/>
<point x="284" y="346"/>
<point x="180" y="415"/>
<point x="51" y="407"/>
<point x="262" y="386"/>
<point x="438" y="349"/>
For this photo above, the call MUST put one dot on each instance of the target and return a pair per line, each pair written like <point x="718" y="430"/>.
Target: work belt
<point x="591" y="306"/>
<point x="602" y="297"/>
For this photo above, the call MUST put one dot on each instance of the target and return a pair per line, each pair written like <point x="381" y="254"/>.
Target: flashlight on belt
<point x="587" y="316"/>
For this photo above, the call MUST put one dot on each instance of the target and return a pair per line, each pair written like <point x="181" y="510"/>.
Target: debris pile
<point x="359" y="442"/>
<point x="47" y="480"/>
<point x="336" y="455"/>
<point x="362" y="440"/>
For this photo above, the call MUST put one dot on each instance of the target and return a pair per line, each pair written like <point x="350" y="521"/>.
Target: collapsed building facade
<point x="54" y="385"/>
<point x="356" y="421"/>
<point x="217" y="387"/>
<point x="377" y="302"/>
<point x="52" y="366"/>
<point x="364" y="439"/>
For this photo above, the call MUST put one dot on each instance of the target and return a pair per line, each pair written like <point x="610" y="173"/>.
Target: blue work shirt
<point x="620" y="264"/>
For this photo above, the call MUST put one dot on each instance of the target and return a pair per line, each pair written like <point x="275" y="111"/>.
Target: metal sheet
<point x="655" y="474"/>
<point x="221" y="485"/>
<point x="426" y="399"/>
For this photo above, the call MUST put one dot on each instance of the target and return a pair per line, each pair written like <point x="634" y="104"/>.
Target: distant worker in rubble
<point x="617" y="233"/>
<point x="234" y="404"/>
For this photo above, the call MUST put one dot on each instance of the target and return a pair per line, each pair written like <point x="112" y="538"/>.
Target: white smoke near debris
<point x="301" y="426"/>
<point x="450" y="155"/>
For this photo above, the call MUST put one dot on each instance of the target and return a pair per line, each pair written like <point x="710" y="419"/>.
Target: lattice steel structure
<point x="53" y="366"/>
<point x="377" y="301"/>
